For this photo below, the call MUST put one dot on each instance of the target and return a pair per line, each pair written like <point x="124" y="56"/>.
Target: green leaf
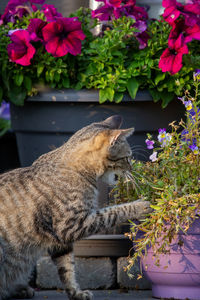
<point x="17" y="95"/>
<point x="132" y="87"/>
<point x="118" y="97"/>
<point x="19" y="79"/>
<point x="159" y="78"/>
<point x="166" y="98"/>
<point x="5" y="125"/>
<point x="155" y="95"/>
<point x="40" y="69"/>
<point x="106" y="94"/>
<point x="65" y="82"/>
<point x="28" y="83"/>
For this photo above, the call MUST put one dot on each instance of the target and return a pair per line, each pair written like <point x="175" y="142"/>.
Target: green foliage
<point x="110" y="62"/>
<point x="114" y="64"/>
<point x="171" y="183"/>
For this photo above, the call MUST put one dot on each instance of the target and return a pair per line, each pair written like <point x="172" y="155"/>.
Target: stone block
<point x="96" y="273"/>
<point x="91" y="273"/>
<point x="47" y="274"/>
<point x="125" y="281"/>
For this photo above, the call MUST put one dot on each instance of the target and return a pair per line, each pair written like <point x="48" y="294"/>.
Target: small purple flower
<point x="197" y="75"/>
<point x="149" y="144"/>
<point x="184" y="135"/>
<point x="164" y="138"/>
<point x="5" y="110"/>
<point x="162" y="134"/>
<point x="188" y="105"/>
<point x="194" y="148"/>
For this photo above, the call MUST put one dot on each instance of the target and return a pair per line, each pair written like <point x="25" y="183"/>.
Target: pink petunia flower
<point x="104" y="13"/>
<point x="35" y="29"/>
<point x="189" y="32"/>
<point x="114" y="3"/>
<point x="171" y="58"/>
<point x="172" y="10"/>
<point x="20" y="50"/>
<point x="50" y="12"/>
<point x="62" y="36"/>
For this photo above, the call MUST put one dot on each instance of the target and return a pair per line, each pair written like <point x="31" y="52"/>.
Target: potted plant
<point x="40" y="48"/>
<point x="168" y="241"/>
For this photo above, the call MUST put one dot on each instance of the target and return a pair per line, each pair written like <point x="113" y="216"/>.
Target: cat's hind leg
<point x="23" y="292"/>
<point x="66" y="271"/>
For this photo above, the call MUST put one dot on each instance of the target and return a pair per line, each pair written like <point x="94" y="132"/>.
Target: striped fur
<point x="53" y="203"/>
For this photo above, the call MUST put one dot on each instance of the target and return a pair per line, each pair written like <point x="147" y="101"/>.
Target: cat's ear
<point x="114" y="122"/>
<point x="123" y="133"/>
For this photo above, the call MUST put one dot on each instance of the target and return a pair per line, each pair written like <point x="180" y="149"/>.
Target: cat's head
<point x="104" y="145"/>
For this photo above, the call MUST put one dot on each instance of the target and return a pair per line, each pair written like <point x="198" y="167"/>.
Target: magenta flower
<point x="171" y="58"/>
<point x="129" y="9"/>
<point x="20" y="50"/>
<point x="189" y="33"/>
<point x="114" y="3"/>
<point x="35" y="29"/>
<point x="62" y="36"/>
<point x="50" y="12"/>
<point x="104" y="13"/>
<point x="172" y="10"/>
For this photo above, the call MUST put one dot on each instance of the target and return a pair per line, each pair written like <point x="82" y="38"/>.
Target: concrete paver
<point x="98" y="295"/>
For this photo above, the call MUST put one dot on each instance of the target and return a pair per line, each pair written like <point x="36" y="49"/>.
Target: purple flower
<point x="188" y="105"/>
<point x="20" y="50"/>
<point x="184" y="135"/>
<point x="197" y="75"/>
<point x="62" y="36"/>
<point x="5" y="110"/>
<point x="164" y="138"/>
<point x="149" y="144"/>
<point x="50" y="12"/>
<point x="194" y="148"/>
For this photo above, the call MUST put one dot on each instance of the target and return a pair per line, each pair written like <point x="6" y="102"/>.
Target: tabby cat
<point x="53" y="203"/>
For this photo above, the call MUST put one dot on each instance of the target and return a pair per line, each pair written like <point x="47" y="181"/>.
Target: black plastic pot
<point x="48" y="120"/>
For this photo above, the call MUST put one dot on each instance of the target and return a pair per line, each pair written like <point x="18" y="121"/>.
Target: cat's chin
<point x="110" y="178"/>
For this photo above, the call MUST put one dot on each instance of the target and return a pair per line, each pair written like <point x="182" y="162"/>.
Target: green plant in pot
<point x="168" y="241"/>
<point x="42" y="47"/>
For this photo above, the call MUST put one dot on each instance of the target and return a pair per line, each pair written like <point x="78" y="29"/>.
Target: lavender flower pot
<point x="178" y="275"/>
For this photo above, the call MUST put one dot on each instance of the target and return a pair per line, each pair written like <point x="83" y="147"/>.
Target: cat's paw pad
<point x="24" y="293"/>
<point x="83" y="295"/>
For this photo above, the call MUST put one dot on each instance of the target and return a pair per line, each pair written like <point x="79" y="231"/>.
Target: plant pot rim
<point x="46" y="94"/>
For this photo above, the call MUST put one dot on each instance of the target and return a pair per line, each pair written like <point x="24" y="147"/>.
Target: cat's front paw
<point x="82" y="295"/>
<point x="142" y="208"/>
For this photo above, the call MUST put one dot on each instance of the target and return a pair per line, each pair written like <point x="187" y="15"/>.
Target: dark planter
<point x="48" y="120"/>
<point x="181" y="278"/>
<point x="8" y="152"/>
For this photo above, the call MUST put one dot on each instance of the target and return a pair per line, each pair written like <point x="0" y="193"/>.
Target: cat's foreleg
<point x="108" y="217"/>
<point x="66" y="270"/>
